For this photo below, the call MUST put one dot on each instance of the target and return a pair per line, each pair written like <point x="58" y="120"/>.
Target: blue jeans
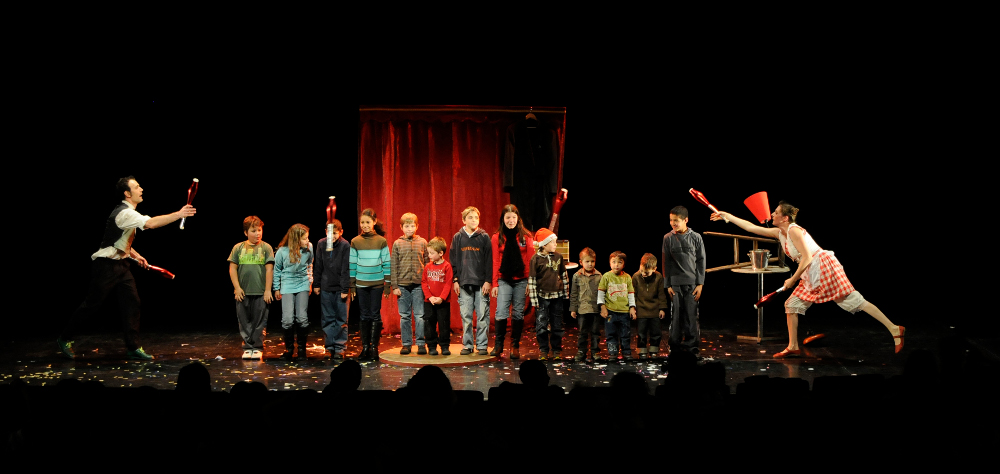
<point x="412" y="298"/>
<point x="370" y="302"/>
<point x="294" y="309"/>
<point x="618" y="333"/>
<point x="334" y="320"/>
<point x="511" y="297"/>
<point x="471" y="298"/>
<point x="549" y="313"/>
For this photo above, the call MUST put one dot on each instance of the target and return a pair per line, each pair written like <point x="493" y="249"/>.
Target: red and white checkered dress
<point x="825" y="279"/>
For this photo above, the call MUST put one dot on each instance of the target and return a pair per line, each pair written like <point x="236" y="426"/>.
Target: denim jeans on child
<point x="411" y="298"/>
<point x="618" y="331"/>
<point x="334" y="320"/>
<point x="510" y="298"/>
<point x="294" y="310"/>
<point x="471" y="298"/>
<point x="370" y="302"/>
<point x="549" y="313"/>
<point x="684" y="329"/>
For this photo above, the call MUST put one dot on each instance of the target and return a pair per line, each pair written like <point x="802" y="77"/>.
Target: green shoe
<point x="139" y="354"/>
<point x="66" y="347"/>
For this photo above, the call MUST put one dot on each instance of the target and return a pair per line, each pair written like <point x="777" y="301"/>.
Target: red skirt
<point x="824" y="280"/>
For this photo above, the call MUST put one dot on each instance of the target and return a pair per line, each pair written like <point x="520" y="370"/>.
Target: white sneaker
<point x="247" y="354"/>
<point x="257" y="355"/>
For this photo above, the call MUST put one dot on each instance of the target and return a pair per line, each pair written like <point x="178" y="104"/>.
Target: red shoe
<point x="902" y="331"/>
<point x="813" y="338"/>
<point x="788" y="353"/>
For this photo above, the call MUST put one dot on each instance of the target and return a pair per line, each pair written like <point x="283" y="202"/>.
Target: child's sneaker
<point x="465" y="351"/>
<point x="66" y="348"/>
<point x="445" y="351"/>
<point x="579" y="357"/>
<point x="405" y="350"/>
<point x="139" y="354"/>
<point x="256" y="355"/>
<point x="557" y="355"/>
<point x="247" y="354"/>
<point x="543" y="355"/>
<point x="421" y="350"/>
<point x="432" y="352"/>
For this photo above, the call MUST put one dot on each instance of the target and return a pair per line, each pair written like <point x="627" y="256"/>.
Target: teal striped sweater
<point x="369" y="263"/>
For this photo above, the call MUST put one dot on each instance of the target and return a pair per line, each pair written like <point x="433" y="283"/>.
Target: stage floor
<point x="852" y="347"/>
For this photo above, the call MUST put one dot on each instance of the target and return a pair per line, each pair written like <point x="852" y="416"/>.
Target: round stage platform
<point x="392" y="356"/>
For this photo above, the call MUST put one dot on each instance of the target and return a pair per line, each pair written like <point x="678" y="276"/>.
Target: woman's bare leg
<point x="793" y="331"/>
<point x="882" y="318"/>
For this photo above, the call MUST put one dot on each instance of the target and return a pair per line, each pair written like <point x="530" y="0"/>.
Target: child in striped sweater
<point x="369" y="267"/>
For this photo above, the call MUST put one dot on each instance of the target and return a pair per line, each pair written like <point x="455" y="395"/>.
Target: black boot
<point x="289" y="344"/>
<point x="302" y="333"/>
<point x="376" y="335"/>
<point x="366" y="335"/>
<point x="516" y="326"/>
<point x="500" y="327"/>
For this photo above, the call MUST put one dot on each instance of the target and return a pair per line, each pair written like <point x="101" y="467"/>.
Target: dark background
<point x="873" y="170"/>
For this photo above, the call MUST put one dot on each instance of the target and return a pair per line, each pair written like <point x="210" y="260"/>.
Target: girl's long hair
<point x="378" y="224"/>
<point x="522" y="233"/>
<point x="292" y="239"/>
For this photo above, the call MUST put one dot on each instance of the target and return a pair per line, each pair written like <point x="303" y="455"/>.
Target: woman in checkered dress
<point x="820" y="276"/>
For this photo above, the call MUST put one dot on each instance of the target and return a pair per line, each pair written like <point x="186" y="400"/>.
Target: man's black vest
<point x="115" y="237"/>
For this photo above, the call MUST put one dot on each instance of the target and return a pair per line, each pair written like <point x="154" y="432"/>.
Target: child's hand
<point x="267" y="297"/>
<point x="604" y="312"/>
<point x="435" y="299"/>
<point x="344" y="296"/>
<point x="239" y="294"/>
<point x="573" y="314"/>
<point x="631" y="312"/>
<point x="486" y="289"/>
<point x="277" y="295"/>
<point x="697" y="292"/>
<point x="662" y="314"/>
<point x="315" y="291"/>
<point x="670" y="291"/>
<point x="458" y="289"/>
<point x="493" y="292"/>
<point x="397" y="292"/>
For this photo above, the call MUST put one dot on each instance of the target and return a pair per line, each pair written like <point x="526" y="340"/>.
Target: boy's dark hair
<point x="122" y="185"/>
<point x="617" y="254"/>
<point x="336" y="225"/>
<point x="438" y="244"/>
<point x="680" y="211"/>
<point x="788" y="210"/>
<point x="588" y="252"/>
<point x="251" y="221"/>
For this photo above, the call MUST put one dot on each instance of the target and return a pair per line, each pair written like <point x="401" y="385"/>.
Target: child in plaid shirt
<point x="409" y="255"/>
<point x="548" y="286"/>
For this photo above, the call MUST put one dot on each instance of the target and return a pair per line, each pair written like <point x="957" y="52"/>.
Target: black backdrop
<point x="868" y="171"/>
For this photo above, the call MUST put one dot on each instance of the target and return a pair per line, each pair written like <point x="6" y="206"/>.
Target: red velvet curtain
<point x="435" y="162"/>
